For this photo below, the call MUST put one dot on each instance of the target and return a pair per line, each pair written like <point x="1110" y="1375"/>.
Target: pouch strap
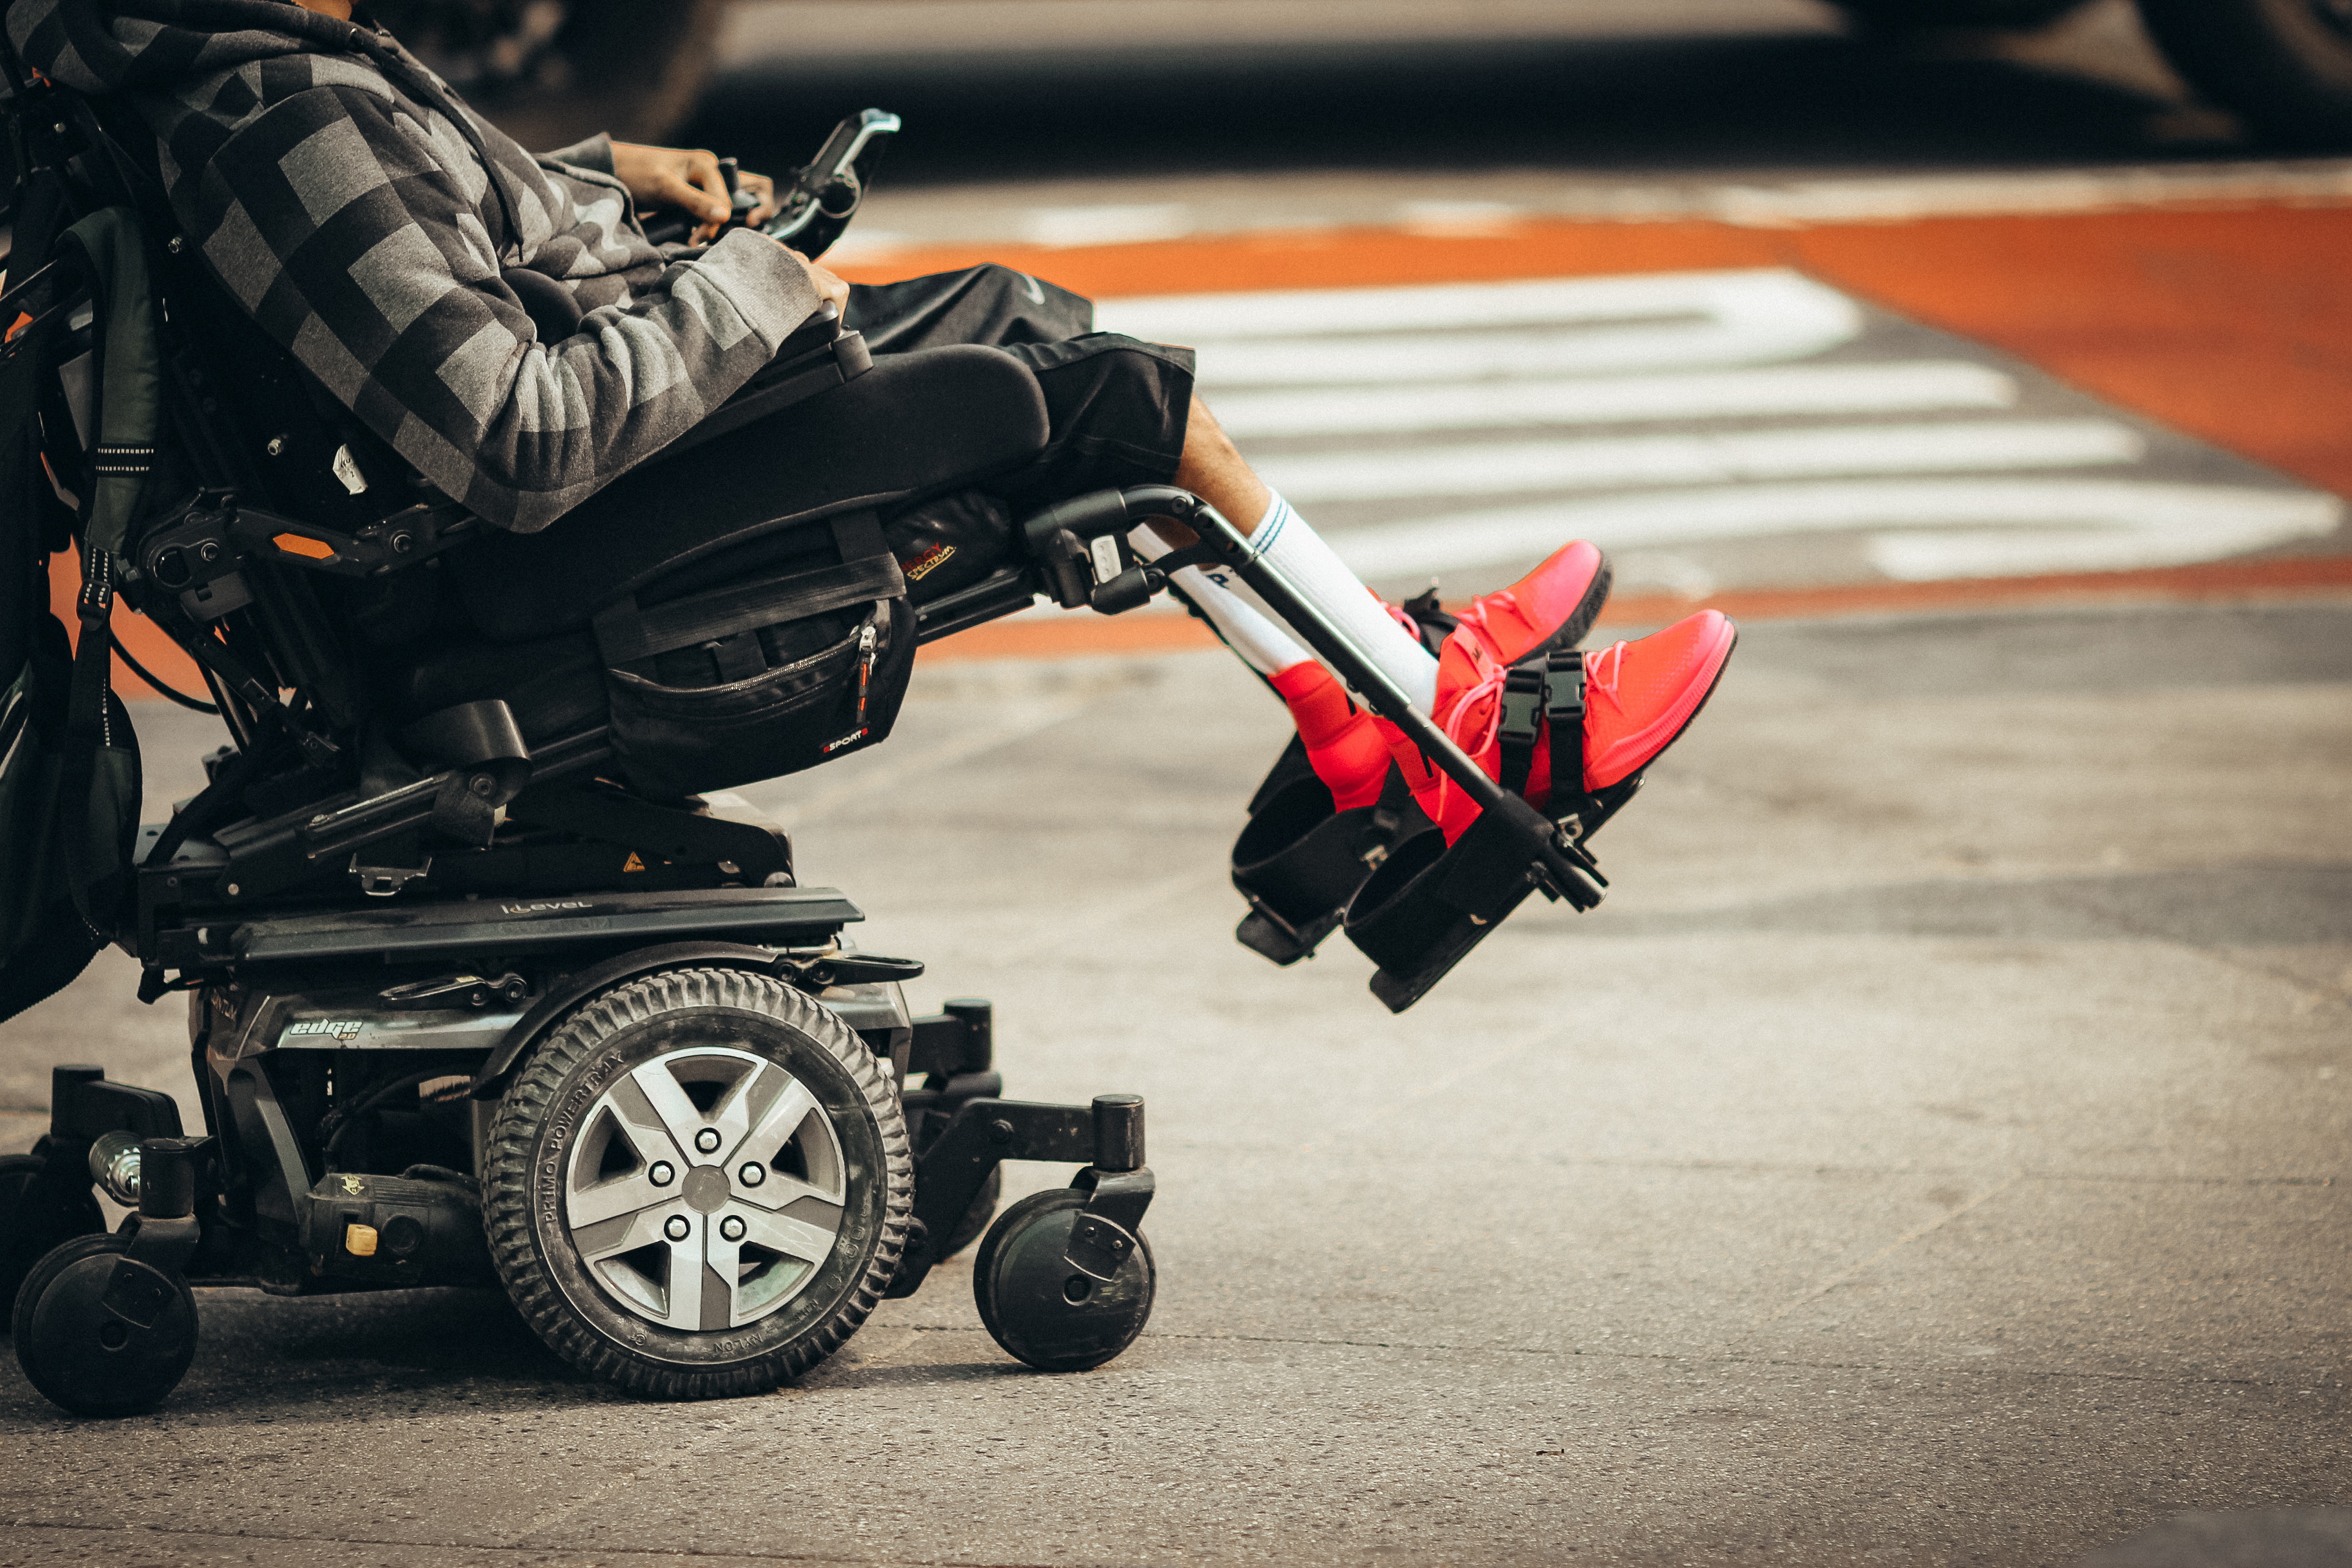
<point x="626" y="632"/>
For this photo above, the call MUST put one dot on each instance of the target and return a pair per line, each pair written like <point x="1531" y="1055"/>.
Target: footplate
<point x="1105" y="1137"/>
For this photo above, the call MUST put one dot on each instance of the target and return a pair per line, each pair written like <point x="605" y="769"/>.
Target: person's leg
<point x="1211" y="467"/>
<point x="993" y="306"/>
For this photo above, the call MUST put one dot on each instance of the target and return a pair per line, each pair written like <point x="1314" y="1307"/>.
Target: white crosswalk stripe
<point x="1968" y="527"/>
<point x="1612" y="399"/>
<point x="1701" y="458"/>
<point x="1714" y="427"/>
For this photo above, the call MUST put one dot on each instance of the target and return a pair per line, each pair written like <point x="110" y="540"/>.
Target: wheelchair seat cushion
<point x="914" y="424"/>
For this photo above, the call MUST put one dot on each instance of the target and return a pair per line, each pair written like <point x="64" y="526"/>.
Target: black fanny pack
<point x="711" y="686"/>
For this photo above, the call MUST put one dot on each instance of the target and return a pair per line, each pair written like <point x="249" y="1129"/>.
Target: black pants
<point x="1114" y="408"/>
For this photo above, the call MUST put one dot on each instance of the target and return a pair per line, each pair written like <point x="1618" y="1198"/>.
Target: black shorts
<point x="1114" y="408"/>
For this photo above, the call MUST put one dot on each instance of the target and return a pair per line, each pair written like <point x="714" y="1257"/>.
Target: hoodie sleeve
<point x="356" y="237"/>
<point x="595" y="153"/>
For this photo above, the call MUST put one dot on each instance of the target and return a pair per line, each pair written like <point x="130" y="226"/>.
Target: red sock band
<point x="1345" y="750"/>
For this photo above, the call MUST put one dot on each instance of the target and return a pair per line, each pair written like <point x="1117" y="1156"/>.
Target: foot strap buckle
<point x="1543" y="701"/>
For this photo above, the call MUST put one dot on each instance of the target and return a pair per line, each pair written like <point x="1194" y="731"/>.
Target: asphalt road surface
<point x="1933" y="1152"/>
<point x="1934" y="1149"/>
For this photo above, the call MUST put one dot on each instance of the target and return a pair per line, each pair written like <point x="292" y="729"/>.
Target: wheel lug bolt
<point x="707" y="1140"/>
<point x="679" y="1228"/>
<point x="752" y="1173"/>
<point x="662" y="1174"/>
<point x="731" y="1229"/>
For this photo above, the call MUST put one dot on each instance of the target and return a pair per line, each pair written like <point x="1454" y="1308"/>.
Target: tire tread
<point x="507" y="1178"/>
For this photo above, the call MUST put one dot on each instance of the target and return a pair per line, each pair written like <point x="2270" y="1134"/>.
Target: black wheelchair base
<point x="357" y="1063"/>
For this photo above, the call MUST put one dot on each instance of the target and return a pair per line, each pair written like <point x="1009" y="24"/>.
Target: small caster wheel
<point x="101" y="1334"/>
<point x="1040" y="1309"/>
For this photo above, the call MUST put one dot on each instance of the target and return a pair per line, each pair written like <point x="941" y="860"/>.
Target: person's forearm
<point x="571" y="416"/>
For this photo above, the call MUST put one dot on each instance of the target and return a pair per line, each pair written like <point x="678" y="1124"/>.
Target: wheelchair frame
<point x="316" y="966"/>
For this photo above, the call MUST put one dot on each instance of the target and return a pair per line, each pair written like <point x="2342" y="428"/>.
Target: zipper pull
<point x="864" y="665"/>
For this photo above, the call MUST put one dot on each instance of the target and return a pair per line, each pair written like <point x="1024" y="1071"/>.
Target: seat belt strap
<point x="89" y="726"/>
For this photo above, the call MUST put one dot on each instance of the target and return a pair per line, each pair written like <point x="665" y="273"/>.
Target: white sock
<point x="1283" y="541"/>
<point x="1262" y="645"/>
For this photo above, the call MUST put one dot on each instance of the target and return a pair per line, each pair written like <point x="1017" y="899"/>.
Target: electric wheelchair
<point x="488" y="982"/>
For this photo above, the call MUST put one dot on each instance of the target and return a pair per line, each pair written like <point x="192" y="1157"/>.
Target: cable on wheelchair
<point x="131" y="662"/>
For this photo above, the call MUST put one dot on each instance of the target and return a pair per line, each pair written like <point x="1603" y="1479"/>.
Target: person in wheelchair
<point x="501" y="323"/>
<point x="504" y="527"/>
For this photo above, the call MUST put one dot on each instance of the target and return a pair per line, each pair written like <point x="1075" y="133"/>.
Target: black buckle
<point x="1520" y="724"/>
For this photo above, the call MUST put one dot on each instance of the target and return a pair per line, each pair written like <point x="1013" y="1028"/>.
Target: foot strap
<point x="1543" y="703"/>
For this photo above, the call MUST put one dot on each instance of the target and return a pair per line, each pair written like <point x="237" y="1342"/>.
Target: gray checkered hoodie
<point x="364" y="216"/>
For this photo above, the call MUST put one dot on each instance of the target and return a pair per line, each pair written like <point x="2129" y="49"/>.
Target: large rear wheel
<point x="699" y="1186"/>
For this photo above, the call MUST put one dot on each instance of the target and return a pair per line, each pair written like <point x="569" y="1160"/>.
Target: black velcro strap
<point x="626" y="632"/>
<point x="1521" y="723"/>
<point x="1564" y="719"/>
<point x="859" y="535"/>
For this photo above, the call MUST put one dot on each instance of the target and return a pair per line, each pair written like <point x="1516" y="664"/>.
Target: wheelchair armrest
<point x="816" y="358"/>
<point x="818" y="331"/>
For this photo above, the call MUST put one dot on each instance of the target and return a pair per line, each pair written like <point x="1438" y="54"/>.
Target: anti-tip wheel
<point x="1040" y="1309"/>
<point x="37" y="1217"/>
<point x="99" y="1333"/>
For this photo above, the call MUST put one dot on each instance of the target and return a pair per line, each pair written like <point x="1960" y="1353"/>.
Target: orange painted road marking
<point x="2233" y="326"/>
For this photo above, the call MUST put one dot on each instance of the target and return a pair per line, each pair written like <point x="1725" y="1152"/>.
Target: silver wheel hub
<point x="758" y="1209"/>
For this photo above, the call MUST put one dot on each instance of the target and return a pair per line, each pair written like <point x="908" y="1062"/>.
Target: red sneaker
<point x="1343" y="747"/>
<point x="1638" y="698"/>
<point x="1552" y="606"/>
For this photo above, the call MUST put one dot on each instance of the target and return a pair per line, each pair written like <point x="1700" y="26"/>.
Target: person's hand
<point x="763" y="187"/>
<point x="826" y="285"/>
<point x="675" y="177"/>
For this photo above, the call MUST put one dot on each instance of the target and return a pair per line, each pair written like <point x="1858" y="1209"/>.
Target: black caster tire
<point x="699" y="1186"/>
<point x="1040" y="1309"/>
<point x="100" y="1334"/>
<point x="34" y="1222"/>
<point x="975" y="1219"/>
